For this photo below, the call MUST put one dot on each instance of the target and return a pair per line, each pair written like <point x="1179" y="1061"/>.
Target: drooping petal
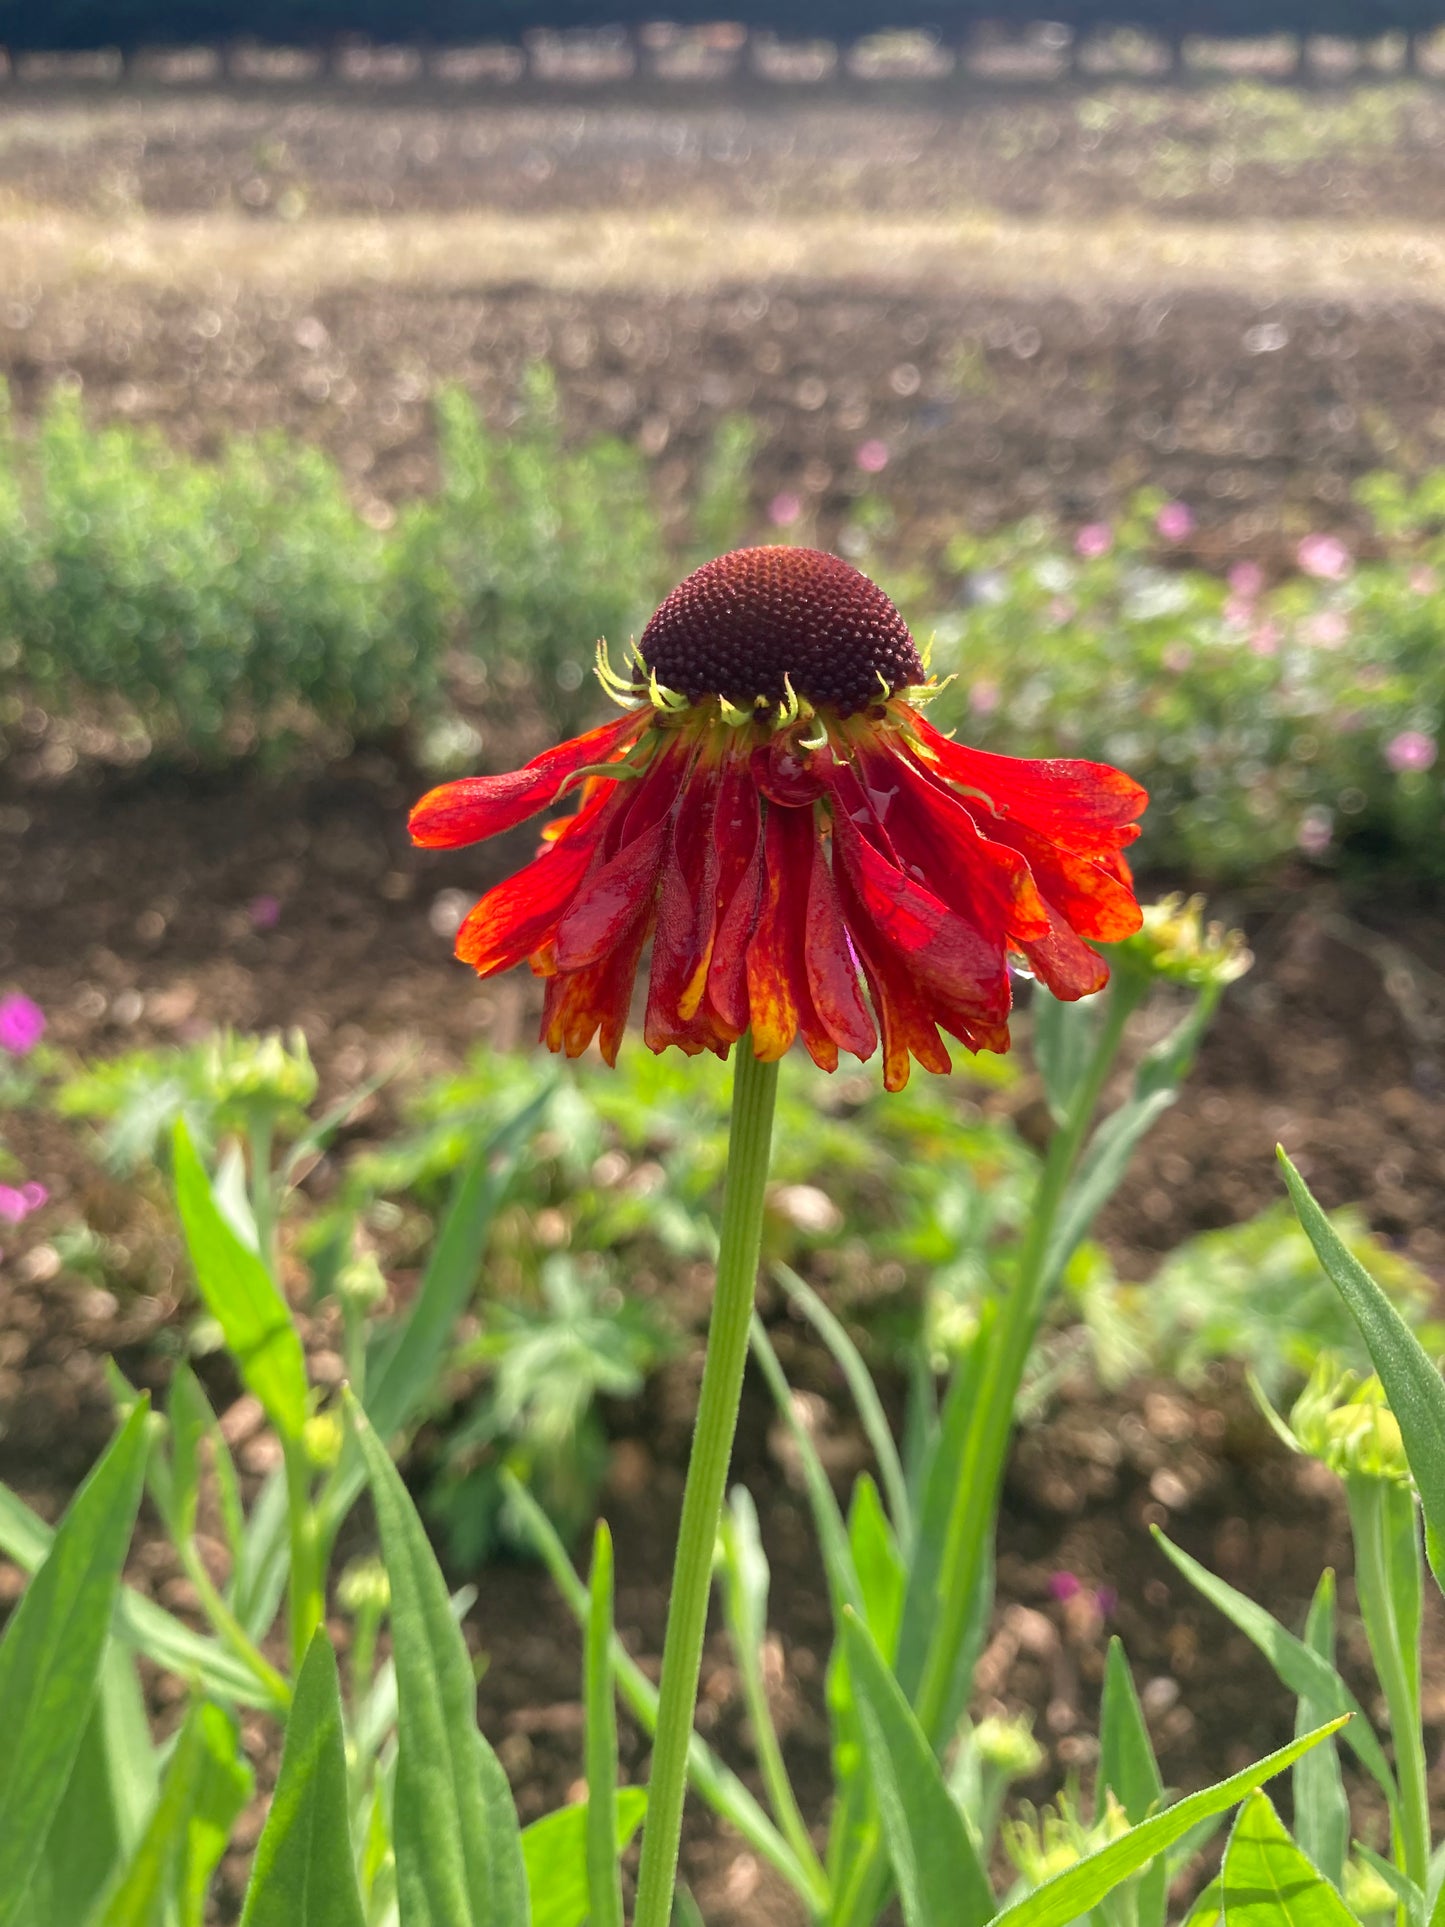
<point x="476" y="807"/>
<point x="521" y="915"/>
<point x="608" y="903"/>
<point x="1078" y="805"/>
<point x="832" y="966"/>
<point x="1090" y="894"/>
<point x="779" y="996"/>
<point x="1065" y="964"/>
<point x="686" y="919"/>
<point x="581" y="1004"/>
<point x="988" y="883"/>
<point x="738" y="828"/>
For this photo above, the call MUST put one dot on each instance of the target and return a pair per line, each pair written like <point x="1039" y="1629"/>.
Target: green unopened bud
<point x="249" y="1071"/>
<point x="1049" y="1840"/>
<point x="322" y="1438"/>
<point x="359" y="1284"/>
<point x="1008" y="1745"/>
<point x="1348" y="1425"/>
<point x="364" y="1588"/>
<point x="1367" y="1891"/>
<point x="1175" y="943"/>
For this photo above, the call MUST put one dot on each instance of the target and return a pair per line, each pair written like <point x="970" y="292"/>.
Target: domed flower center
<point x="739" y="626"/>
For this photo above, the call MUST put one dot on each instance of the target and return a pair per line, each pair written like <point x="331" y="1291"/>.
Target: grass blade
<point x="1127" y="1767"/>
<point x="604" y="1876"/>
<point x="1267" y="1882"/>
<point x="1321" y="1808"/>
<point x="51" y="1655"/>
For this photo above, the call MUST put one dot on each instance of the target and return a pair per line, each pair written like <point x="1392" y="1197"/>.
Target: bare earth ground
<point x="1036" y="299"/>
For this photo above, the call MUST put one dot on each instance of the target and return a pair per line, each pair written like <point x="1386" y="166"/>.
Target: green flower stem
<point x="261" y="1195"/>
<point x="749" y="1144"/>
<point x="1398" y="1669"/>
<point x="229" y="1629"/>
<point x="306" y="1595"/>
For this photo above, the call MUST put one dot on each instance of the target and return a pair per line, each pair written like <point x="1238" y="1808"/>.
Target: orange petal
<point x="481" y="806"/>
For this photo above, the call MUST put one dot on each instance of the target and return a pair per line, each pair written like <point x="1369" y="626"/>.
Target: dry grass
<point x="672" y="252"/>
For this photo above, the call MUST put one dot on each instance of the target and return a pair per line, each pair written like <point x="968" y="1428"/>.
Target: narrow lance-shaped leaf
<point x="1267" y="1882"/>
<point x="304" y="1874"/>
<point x="1300" y="1669"/>
<point x="1412" y="1384"/>
<point x="604" y="1876"/>
<point x="458" y="1848"/>
<point x="242" y="1296"/>
<point x="50" y="1656"/>
<point x="224" y="1783"/>
<point x="1069" y="1895"/>
<point x="940" y="1880"/>
<point x="1321" y="1808"/>
<point x="1128" y="1769"/>
<point x="148" y="1887"/>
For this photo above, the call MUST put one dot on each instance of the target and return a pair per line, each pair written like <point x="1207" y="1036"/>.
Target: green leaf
<point x="242" y="1296"/>
<point x="604" y="1877"/>
<point x="940" y="1880"/>
<point x="1267" y="1882"/>
<point x="1127" y="1767"/>
<point x="1412" y="1384"/>
<point x="191" y="1419"/>
<point x="1321" y="1808"/>
<point x="554" y="1851"/>
<point x="304" y="1874"/>
<point x="146" y="1889"/>
<point x="223" y="1784"/>
<point x="1207" y="1909"/>
<point x="1063" y="1899"/>
<point x="51" y="1655"/>
<point x="111" y="1789"/>
<point x="1062" y="1038"/>
<point x="878" y="1564"/>
<point x="1299" y="1668"/>
<point x="865" y="1395"/>
<point x="458" y="1850"/>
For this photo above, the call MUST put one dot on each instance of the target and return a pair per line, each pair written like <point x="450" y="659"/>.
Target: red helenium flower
<point x="776" y="814"/>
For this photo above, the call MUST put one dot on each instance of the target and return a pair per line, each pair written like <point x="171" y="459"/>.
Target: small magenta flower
<point x="785" y="508"/>
<point x="1412" y="749"/>
<point x="1324" y="556"/>
<point x="1316" y="832"/>
<point x="1245" y="579"/>
<point x="22" y="1024"/>
<point x="872" y="457"/>
<point x="809" y="856"/>
<point x="1264" y="639"/>
<point x="264" y="912"/>
<point x="1093" y="540"/>
<point x="1175" y="522"/>
<point x="13" y="1208"/>
<point x="1064" y="1585"/>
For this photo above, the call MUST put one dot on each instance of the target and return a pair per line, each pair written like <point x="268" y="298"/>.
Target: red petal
<point x="737" y="829"/>
<point x="986" y="882"/>
<point x="831" y="966"/>
<point x="772" y="980"/>
<point x="521" y="915"/>
<point x="1087" y="805"/>
<point x="483" y="806"/>
<point x="1064" y="965"/>
<point x="611" y="900"/>
<point x="1091" y="896"/>
<point x="686" y="919"/>
<point x="579" y="1002"/>
<point x="946" y="955"/>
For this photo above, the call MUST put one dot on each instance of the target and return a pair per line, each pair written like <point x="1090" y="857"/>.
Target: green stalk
<point x="972" y="1518"/>
<point x="1396" y="1670"/>
<point x="228" y="1628"/>
<point x="749" y="1144"/>
<point x="261" y="1196"/>
<point x="306" y="1590"/>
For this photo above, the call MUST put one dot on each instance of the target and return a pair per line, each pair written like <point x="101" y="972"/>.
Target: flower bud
<point x="322" y="1438"/>
<point x="262" y="1071"/>
<point x="1008" y="1745"/>
<point x="1348" y="1425"/>
<point x="1048" y="1841"/>
<point x="1175" y="943"/>
<point x="364" y="1588"/>
<point x="359" y="1284"/>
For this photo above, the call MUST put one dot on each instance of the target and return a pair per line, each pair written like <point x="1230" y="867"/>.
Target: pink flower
<point x="1175" y="522"/>
<point x="872" y="457"/>
<point x="1328" y="629"/>
<point x="1265" y="639"/>
<point x="1324" y="556"/>
<point x="34" y="1195"/>
<point x="1064" y="1585"/>
<point x="264" y="912"/>
<point x="1093" y="540"/>
<point x="1245" y="579"/>
<point x="983" y="697"/>
<point x="1238" y="611"/>
<point x="13" y="1208"/>
<point x="785" y="509"/>
<point x="1411" y="749"/>
<point x="1316" y="832"/>
<point x="1177" y="657"/>
<point x="22" y="1024"/>
<point x="1423" y="580"/>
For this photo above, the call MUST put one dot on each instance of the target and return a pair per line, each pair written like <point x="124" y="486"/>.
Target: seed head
<point x="746" y="624"/>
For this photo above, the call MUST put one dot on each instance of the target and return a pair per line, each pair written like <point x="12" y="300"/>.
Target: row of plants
<point x="391" y="1806"/>
<point x="243" y="605"/>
